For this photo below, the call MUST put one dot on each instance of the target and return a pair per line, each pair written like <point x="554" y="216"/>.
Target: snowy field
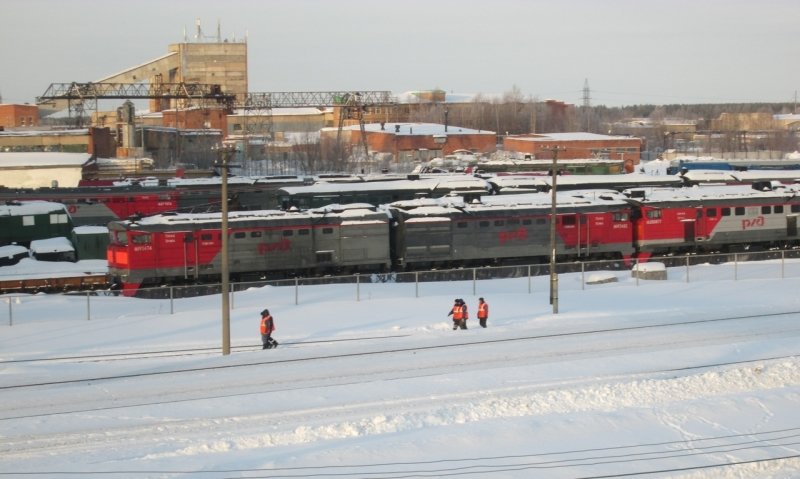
<point x="670" y="378"/>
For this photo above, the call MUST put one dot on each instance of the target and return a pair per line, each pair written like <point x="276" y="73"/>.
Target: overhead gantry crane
<point x="78" y="97"/>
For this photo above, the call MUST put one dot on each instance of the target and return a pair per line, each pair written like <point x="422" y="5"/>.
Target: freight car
<point x="182" y="248"/>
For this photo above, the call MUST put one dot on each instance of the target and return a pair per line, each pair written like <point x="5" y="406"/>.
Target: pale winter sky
<point x="631" y="51"/>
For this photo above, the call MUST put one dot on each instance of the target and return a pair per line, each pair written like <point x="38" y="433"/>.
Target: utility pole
<point x="553" y="219"/>
<point x="225" y="153"/>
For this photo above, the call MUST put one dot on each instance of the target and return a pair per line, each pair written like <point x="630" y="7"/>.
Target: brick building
<point x="406" y="143"/>
<point x="18" y="116"/>
<point x="574" y="146"/>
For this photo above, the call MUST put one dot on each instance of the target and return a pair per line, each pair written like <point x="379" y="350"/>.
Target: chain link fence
<point x="528" y="279"/>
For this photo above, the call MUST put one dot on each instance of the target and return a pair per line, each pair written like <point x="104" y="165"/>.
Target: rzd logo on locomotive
<point x="751" y="223"/>
<point x="282" y="245"/>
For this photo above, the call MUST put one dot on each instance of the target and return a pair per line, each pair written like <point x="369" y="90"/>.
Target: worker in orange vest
<point x="483" y="312"/>
<point x="267" y="327"/>
<point x="459" y="314"/>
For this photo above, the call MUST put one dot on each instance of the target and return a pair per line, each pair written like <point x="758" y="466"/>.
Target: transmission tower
<point x="587" y="105"/>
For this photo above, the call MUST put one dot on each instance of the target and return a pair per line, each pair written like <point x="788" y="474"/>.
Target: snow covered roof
<point x="51" y="245"/>
<point x="572" y="136"/>
<point x="21" y="208"/>
<point x="42" y="159"/>
<point x="10" y="250"/>
<point x="352" y="211"/>
<point x="420" y="129"/>
<point x="712" y="192"/>
<point x="45" y="132"/>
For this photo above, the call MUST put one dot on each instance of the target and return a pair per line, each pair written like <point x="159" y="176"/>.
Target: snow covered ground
<point x="630" y="378"/>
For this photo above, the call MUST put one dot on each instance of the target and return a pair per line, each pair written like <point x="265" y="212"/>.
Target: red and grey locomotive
<point x="418" y="234"/>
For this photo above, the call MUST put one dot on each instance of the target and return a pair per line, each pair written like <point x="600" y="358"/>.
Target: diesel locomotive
<point x="451" y="231"/>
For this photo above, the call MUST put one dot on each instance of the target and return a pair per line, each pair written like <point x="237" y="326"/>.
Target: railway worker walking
<point x="483" y="312"/>
<point x="459" y="314"/>
<point x="267" y="327"/>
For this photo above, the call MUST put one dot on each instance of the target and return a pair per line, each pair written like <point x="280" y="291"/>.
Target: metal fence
<point x="523" y="279"/>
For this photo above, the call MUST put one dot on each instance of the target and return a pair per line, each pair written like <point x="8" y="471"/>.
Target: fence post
<point x="416" y="283"/>
<point x="636" y="268"/>
<point x="10" y="314"/>
<point x="358" y="287"/>
<point x="583" y="278"/>
<point x="735" y="266"/>
<point x="529" y="279"/>
<point x="687" y="269"/>
<point x="296" y="290"/>
<point x="474" y="279"/>
<point x="88" y="308"/>
<point x="171" y="303"/>
<point x="783" y="261"/>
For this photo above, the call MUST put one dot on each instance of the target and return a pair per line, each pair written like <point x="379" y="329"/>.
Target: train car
<point x="513" y="184"/>
<point x="709" y="219"/>
<point x="99" y="205"/>
<point x="380" y="192"/>
<point x="185" y="248"/>
<point x="586" y="166"/>
<point x="758" y="178"/>
<point x="24" y="221"/>
<point x="450" y="232"/>
<point x="739" y="164"/>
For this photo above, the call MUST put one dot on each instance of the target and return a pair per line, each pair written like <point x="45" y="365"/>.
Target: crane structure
<point x="82" y="96"/>
<point x="78" y="97"/>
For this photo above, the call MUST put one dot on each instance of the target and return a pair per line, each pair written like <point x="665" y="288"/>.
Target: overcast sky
<point x="630" y="51"/>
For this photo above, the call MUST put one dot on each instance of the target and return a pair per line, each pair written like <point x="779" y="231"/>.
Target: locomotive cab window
<point x="621" y="216"/>
<point x="739" y="211"/>
<point x="765" y="210"/>
<point x="711" y="212"/>
<point x="778" y="209"/>
<point x="725" y="211"/>
<point x="255" y="234"/>
<point x="206" y="237"/>
<point x="239" y="234"/>
<point x="288" y="233"/>
<point x="461" y="224"/>
<point x="303" y="232"/>
<point x="568" y="220"/>
<point x="653" y="214"/>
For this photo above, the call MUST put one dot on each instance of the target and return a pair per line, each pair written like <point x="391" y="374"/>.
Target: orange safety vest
<point x="267" y="326"/>
<point x="483" y="310"/>
<point x="458" y="312"/>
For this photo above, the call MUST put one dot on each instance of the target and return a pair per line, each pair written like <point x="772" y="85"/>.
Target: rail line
<point x="393" y="351"/>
